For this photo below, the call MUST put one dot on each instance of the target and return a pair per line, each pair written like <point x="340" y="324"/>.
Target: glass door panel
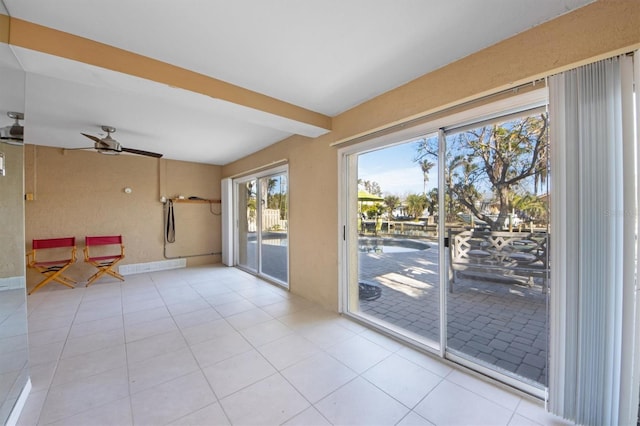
<point x="274" y="227"/>
<point x="394" y="229"/>
<point x="447" y="242"/>
<point x="247" y="225"/>
<point x="496" y="214"/>
<point x="262" y="225"/>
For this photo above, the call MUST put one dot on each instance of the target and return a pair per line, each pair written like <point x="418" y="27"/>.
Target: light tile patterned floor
<point x="216" y="346"/>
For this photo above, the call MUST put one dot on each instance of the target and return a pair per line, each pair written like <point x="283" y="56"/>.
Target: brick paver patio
<point x="501" y="323"/>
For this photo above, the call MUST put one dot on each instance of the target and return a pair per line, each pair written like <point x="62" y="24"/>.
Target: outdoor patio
<point x="501" y="323"/>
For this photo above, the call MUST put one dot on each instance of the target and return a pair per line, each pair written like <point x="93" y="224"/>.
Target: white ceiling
<point x="323" y="55"/>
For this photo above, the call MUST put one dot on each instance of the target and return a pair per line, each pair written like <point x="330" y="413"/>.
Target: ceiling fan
<point x="13" y="134"/>
<point x="108" y="145"/>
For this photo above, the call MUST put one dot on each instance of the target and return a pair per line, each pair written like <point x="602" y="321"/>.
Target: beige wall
<point x="79" y="193"/>
<point x="12" y="260"/>
<point x="601" y="29"/>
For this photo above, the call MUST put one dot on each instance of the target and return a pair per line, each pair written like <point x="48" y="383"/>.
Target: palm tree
<point x="426" y="167"/>
<point x="531" y="205"/>
<point x="392" y="202"/>
<point x="416" y="203"/>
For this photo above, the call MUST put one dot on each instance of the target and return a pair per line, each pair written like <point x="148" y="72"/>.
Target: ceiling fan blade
<point x="140" y="152"/>
<point x="93" y="138"/>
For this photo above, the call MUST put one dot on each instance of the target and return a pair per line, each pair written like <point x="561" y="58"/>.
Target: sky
<point x="398" y="174"/>
<point x="395" y="170"/>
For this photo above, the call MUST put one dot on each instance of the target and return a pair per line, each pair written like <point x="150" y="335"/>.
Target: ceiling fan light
<point x="108" y="151"/>
<point x="108" y="146"/>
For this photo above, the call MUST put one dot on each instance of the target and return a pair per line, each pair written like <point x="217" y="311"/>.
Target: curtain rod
<point x="433" y="115"/>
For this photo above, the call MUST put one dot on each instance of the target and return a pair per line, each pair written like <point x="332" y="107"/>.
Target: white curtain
<point x="594" y="339"/>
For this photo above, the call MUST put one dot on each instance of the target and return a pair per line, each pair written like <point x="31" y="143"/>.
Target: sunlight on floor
<point x="406" y="285"/>
<point x="421" y="271"/>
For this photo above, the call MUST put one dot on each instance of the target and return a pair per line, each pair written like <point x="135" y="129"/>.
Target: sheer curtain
<point x="594" y="339"/>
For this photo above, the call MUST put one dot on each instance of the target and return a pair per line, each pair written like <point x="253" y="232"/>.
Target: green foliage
<point x="373" y="210"/>
<point x="277" y="195"/>
<point x="531" y="207"/>
<point x="416" y="204"/>
<point x="497" y="159"/>
<point x="391" y="202"/>
<point x="432" y="201"/>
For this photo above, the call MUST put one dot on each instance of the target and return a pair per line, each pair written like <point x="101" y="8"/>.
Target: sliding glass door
<point x="246" y="196"/>
<point x="397" y="240"/>
<point x="262" y="231"/>
<point x="274" y="239"/>
<point x="446" y="242"/>
<point x="497" y="230"/>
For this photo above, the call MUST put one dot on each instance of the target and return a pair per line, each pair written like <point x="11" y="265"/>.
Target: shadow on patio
<point x="503" y="324"/>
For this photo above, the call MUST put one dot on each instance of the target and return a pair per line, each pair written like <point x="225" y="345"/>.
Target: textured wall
<point x="604" y="28"/>
<point x="80" y="193"/>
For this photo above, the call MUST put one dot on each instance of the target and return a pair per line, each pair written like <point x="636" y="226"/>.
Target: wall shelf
<point x="199" y="201"/>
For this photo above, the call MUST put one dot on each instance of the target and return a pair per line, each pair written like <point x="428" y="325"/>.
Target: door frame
<point x="257" y="176"/>
<point x="347" y="169"/>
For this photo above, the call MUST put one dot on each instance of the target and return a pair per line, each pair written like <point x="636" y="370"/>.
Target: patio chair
<point x="103" y="257"/>
<point x="45" y="258"/>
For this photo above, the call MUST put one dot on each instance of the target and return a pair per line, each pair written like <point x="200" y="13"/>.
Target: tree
<point x="269" y="193"/>
<point x="495" y="158"/>
<point x="531" y="207"/>
<point x="373" y="210"/>
<point x="371" y="187"/>
<point x="251" y="199"/>
<point x="416" y="204"/>
<point x="426" y="167"/>
<point x="432" y="201"/>
<point x="275" y="194"/>
<point x="391" y="202"/>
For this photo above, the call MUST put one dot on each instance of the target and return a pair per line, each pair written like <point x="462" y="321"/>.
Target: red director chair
<point x="45" y="258"/>
<point x="103" y="257"/>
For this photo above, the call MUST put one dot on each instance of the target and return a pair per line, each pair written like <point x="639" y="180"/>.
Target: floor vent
<point x="161" y="265"/>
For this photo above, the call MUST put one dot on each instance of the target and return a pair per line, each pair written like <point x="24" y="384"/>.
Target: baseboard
<point x="12" y="283"/>
<point x="160" y="265"/>
<point x="19" y="405"/>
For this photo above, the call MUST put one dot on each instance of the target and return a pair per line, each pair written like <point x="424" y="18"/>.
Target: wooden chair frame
<point x="52" y="269"/>
<point x="104" y="263"/>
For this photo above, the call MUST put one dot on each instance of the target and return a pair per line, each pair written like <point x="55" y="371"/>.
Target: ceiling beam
<point x="4" y="28"/>
<point x="50" y="41"/>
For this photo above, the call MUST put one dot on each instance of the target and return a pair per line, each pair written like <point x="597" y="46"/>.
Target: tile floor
<point x="213" y="345"/>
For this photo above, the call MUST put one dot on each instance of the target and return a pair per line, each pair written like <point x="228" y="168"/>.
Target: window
<point x="446" y="231"/>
